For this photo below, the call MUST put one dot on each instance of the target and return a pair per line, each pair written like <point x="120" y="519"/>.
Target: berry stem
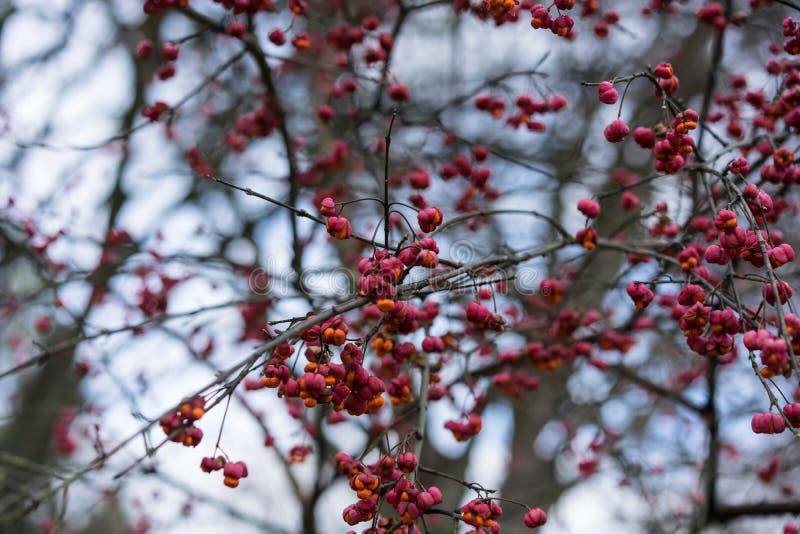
<point x="386" y="182"/>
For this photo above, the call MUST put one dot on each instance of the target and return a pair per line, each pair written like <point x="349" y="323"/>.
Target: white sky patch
<point x="598" y="505"/>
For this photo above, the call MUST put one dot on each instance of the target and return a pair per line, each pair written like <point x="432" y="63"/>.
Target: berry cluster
<point x="671" y="146"/>
<point x="232" y="471"/>
<point x="791" y="30"/>
<point x="774" y="352"/>
<point x="463" y="431"/>
<point x="385" y="480"/>
<point x="561" y="25"/>
<point x="712" y="14"/>
<point x="527" y="109"/>
<point x="346" y="386"/>
<point x="179" y="425"/>
<point x="482" y="514"/>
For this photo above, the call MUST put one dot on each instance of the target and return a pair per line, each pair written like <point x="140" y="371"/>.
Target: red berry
<point x="608" y="95"/>
<point x="399" y="92"/>
<point x="144" y="49"/>
<point x="535" y="518"/>
<point x="170" y="51"/>
<point x="277" y="37"/>
<point x="617" y="131"/>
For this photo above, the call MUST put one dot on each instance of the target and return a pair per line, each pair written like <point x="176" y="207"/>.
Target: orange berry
<point x="385" y="305"/>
